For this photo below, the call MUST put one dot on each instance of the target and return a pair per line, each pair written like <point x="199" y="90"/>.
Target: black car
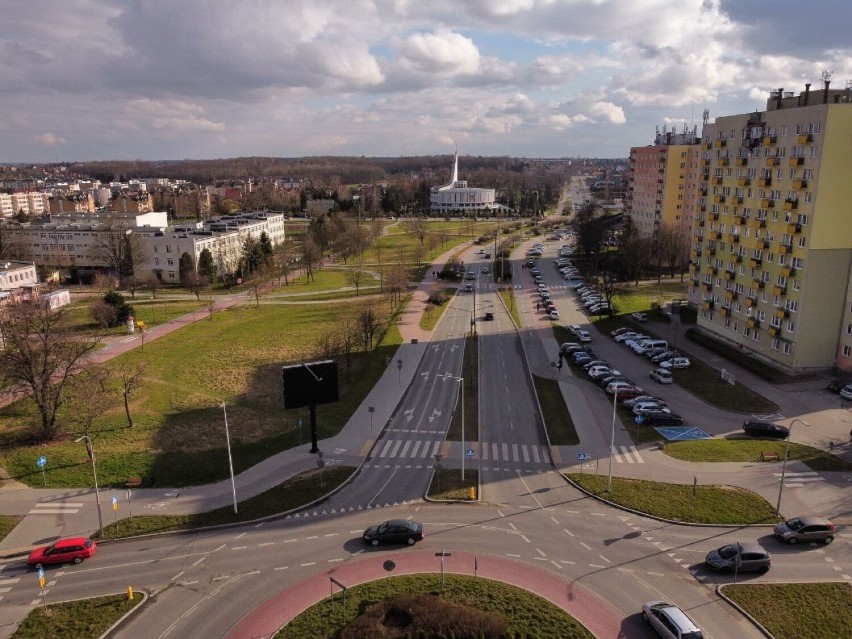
<point x="661" y="418"/>
<point x="757" y="428"/>
<point x="394" y="531"/>
<point x="489" y="315"/>
<point x="835" y="385"/>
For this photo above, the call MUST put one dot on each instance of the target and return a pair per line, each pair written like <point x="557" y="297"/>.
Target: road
<point x="202" y="584"/>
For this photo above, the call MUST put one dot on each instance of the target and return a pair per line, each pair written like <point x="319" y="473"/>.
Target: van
<point x="647" y="345"/>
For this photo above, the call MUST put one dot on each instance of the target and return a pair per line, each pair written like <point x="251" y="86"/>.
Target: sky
<point x="175" y="79"/>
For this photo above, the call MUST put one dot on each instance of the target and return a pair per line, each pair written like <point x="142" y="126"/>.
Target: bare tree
<point x="103" y="313"/>
<point x="369" y="323"/>
<point x="119" y="248"/>
<point x="349" y="332"/>
<point x="88" y="398"/>
<point x="417" y="228"/>
<point x="311" y="257"/>
<point x="209" y="301"/>
<point x="195" y="283"/>
<point x="357" y="276"/>
<point x="132" y="283"/>
<point x="396" y="283"/>
<point x="153" y="283"/>
<point x="104" y="283"/>
<point x="42" y="353"/>
<point x="130" y="380"/>
<point x="328" y="344"/>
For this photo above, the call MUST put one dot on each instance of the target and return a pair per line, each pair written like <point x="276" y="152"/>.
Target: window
<point x="788" y="348"/>
<point x="847" y="350"/>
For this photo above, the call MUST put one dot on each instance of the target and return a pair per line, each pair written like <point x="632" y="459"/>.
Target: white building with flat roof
<point x="457" y="197"/>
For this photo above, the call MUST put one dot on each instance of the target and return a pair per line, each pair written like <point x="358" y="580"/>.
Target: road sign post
<point x="129" y="507"/>
<point x="41" y="582"/>
<point x="371" y="410"/>
<point x="41" y="462"/>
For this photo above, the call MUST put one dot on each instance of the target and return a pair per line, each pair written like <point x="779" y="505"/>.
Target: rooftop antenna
<point x="704" y="117"/>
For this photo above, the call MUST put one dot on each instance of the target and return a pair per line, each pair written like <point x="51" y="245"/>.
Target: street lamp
<point x="784" y="465"/>
<point x="91" y="450"/>
<point x="612" y="442"/>
<point x="230" y="459"/>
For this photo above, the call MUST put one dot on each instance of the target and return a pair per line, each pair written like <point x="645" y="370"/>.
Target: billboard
<point x="309" y="384"/>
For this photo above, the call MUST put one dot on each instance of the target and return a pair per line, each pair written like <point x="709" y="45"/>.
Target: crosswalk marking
<point x="416" y="446"/>
<point x="629" y="453"/>
<point x="396" y="448"/>
<point x="57" y="508"/>
<point x="490" y="451"/>
<point x="515" y="452"/>
<point x="799" y="479"/>
<point x="405" y="448"/>
<point x="526" y="455"/>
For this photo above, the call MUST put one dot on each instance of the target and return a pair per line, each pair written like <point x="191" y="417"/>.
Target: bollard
<point x="130" y="593"/>
<point x="472" y="493"/>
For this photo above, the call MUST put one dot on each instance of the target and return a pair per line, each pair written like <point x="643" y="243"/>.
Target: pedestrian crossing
<point x="56" y="508"/>
<point x="6" y="585"/>
<point x="626" y="454"/>
<point x="797" y="480"/>
<point x="487" y="451"/>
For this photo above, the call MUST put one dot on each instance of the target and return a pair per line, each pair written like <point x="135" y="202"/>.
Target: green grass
<point x="447" y="484"/>
<point x="433" y="312"/>
<point x="508" y="295"/>
<point x="151" y="311"/>
<point x="748" y="450"/>
<point x="720" y="505"/>
<point x="528" y="615"/>
<point x="82" y="619"/>
<point x="178" y="438"/>
<point x="7" y="523"/>
<point x="293" y="493"/>
<point x="797" y="611"/>
<point x="557" y="419"/>
<point x="470" y="374"/>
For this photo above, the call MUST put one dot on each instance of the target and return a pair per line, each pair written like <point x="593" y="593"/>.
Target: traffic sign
<point x="41" y="579"/>
<point x="582" y="456"/>
<point x="640" y="419"/>
<point x="41" y="461"/>
<point x="114" y="503"/>
<point x="469" y="452"/>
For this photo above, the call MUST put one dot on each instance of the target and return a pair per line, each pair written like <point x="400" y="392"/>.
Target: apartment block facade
<point x="772" y="246"/>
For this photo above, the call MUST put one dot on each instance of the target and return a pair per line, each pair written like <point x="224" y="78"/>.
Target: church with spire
<point x="457" y="198"/>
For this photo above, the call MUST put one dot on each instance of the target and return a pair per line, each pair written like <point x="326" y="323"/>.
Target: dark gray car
<point x="805" y="529"/>
<point x="748" y="557"/>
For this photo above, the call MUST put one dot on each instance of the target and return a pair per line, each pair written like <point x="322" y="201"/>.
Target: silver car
<point x="805" y="529"/>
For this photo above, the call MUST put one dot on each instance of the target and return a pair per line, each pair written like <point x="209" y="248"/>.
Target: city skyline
<point x="154" y="80"/>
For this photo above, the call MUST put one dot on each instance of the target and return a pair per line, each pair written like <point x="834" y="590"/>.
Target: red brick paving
<point x="600" y="617"/>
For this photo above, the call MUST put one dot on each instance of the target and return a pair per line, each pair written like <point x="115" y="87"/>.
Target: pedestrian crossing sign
<point x="41" y="580"/>
<point x="114" y="503"/>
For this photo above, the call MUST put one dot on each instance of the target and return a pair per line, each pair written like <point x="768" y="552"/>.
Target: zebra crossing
<point x="505" y="452"/>
<point x="799" y="479"/>
<point x="627" y="454"/>
<point x="56" y="508"/>
<point x="6" y="585"/>
<point x="488" y="451"/>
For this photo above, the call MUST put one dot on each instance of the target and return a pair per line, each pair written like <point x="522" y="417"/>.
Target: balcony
<point x="772" y="330"/>
<point x="699" y="238"/>
<point x="740" y="161"/>
<point x="785" y="271"/>
<point x="737" y="199"/>
<point x="730" y="295"/>
<point x="738" y="259"/>
<point x="716" y="179"/>
<point x="702" y="208"/>
<point x="765" y="181"/>
<point x="761" y="222"/>
<point x="781" y="313"/>
<point x="706" y="287"/>
<point x="714" y="215"/>
<point x="768" y="140"/>
<point x="713" y="235"/>
<point x="708" y="305"/>
<point x="785" y="248"/>
<point x="771" y="161"/>
<point x="721" y="143"/>
<point x="701" y="223"/>
<point x="710" y="270"/>
<point x="705" y="146"/>
<point x="750" y="301"/>
<point x="800" y="184"/>
<point x="804" y="138"/>
<point x="753" y="323"/>
<point x="766" y="203"/>
<point x="791" y="205"/>
<point x="744" y="181"/>
<point x="797" y="161"/>
<point x="723" y="311"/>
<point x="718" y="199"/>
<point x="791" y="227"/>
<point x="734" y="238"/>
<point x="779" y="290"/>
<point x="756" y="284"/>
<point x="722" y="162"/>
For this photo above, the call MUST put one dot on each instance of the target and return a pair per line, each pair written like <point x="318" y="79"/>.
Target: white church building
<point x="458" y="197"/>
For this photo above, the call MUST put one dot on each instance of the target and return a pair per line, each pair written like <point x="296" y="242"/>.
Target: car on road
<point x="489" y="316"/>
<point x="747" y="557"/>
<point x="805" y="529"/>
<point x="394" y="531"/>
<point x="554" y="314"/>
<point x="640" y="317"/>
<point x="64" y="551"/>
<point x="760" y="428"/>
<point x="486" y="270"/>
<point x="471" y="275"/>
<point x="676" y="362"/>
<point x="662" y="376"/>
<point x="669" y="621"/>
<point x="661" y="418"/>
<point x="846" y="391"/>
<point x="468" y="287"/>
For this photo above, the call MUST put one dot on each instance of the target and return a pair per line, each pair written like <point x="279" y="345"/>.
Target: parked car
<point x="593" y="362"/>
<point x="748" y="557"/>
<point x="620" y="385"/>
<point x="640" y="317"/>
<point x="570" y="347"/>
<point x="394" y="531"/>
<point x="661" y="418"/>
<point x="662" y="376"/>
<point x="64" y="551"/>
<point x="574" y="328"/>
<point x="606" y="380"/>
<point x="554" y="314"/>
<point x="835" y="385"/>
<point x="630" y="403"/>
<point x="641" y="408"/>
<point x="805" y="529"/>
<point x="663" y="357"/>
<point x="597" y="373"/>
<point x="620" y="330"/>
<point x="669" y="621"/>
<point x="629" y="393"/>
<point x="584" y="336"/>
<point x="676" y="362"/>
<point x="626" y="335"/>
<point x="654" y="352"/>
<point x="601" y="309"/>
<point x="846" y="391"/>
<point x="759" y="428"/>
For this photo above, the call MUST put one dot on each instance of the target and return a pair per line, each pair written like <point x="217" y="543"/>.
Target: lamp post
<point x="612" y="442"/>
<point x="784" y="465"/>
<point x="230" y="460"/>
<point x="91" y="450"/>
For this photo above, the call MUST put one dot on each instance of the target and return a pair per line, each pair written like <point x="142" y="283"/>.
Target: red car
<point x="63" y="551"/>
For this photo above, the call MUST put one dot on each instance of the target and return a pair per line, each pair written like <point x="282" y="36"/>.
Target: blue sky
<point x="156" y="79"/>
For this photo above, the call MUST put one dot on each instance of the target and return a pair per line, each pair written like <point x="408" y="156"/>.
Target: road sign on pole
<point x="41" y="462"/>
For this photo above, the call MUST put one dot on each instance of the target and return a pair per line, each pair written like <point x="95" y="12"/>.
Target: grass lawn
<point x="178" y="437"/>
<point x="557" y="419"/>
<point x="151" y="311"/>
<point x="722" y="505"/>
<point x="82" y="619"/>
<point x="508" y="295"/>
<point x="293" y="493"/>
<point x="748" y="450"/>
<point x="447" y="484"/>
<point x="797" y="611"/>
<point x="470" y="374"/>
<point x="528" y="615"/>
<point x="7" y="523"/>
<point x="433" y="312"/>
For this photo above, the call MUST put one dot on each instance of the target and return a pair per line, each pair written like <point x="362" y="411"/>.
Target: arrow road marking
<point x="409" y="414"/>
<point x="435" y="414"/>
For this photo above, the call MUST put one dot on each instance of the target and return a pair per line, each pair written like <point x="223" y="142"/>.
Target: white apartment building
<point x="31" y="203"/>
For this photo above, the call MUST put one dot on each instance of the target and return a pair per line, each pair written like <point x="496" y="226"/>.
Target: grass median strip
<point x="447" y="484"/>
<point x="7" y="523"/>
<point x="295" y="492"/>
<point x="749" y="450"/>
<point x="722" y="505"/>
<point x="82" y="619"/>
<point x="557" y="419"/>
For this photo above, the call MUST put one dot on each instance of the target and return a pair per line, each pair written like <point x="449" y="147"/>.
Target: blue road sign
<point x="640" y="419"/>
<point x="469" y="452"/>
<point x="582" y="456"/>
<point x="41" y="461"/>
<point x="40" y="572"/>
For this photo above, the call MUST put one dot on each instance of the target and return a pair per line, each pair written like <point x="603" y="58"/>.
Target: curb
<point x="108" y="632"/>
<point x="720" y="591"/>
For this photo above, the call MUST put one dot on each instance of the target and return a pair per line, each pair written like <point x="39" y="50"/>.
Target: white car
<point x="620" y="385"/>
<point x="583" y="336"/>
<point x="670" y="621"/>
<point x="846" y="391"/>
<point x="662" y="375"/>
<point x="597" y="372"/>
<point x="554" y="314"/>
<point x="574" y="328"/>
<point x="646" y="407"/>
<point x="677" y="362"/>
<point x="623" y="337"/>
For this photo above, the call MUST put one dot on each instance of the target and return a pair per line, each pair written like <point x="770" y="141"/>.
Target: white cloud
<point x="49" y="139"/>
<point x="442" y="52"/>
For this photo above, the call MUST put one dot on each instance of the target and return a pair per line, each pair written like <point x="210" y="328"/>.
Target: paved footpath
<point x="596" y="614"/>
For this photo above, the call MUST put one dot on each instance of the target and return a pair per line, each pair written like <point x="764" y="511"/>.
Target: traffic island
<point x="448" y="485"/>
